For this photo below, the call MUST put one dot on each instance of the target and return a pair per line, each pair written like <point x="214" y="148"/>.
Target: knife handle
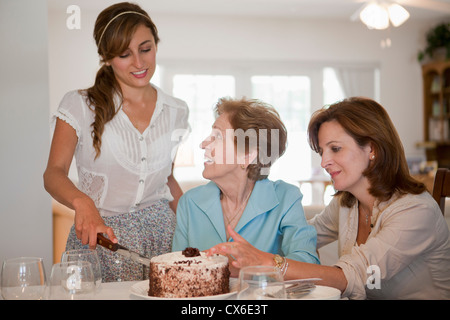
<point x="105" y="242"/>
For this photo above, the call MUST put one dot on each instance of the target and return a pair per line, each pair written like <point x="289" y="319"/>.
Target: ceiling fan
<point x="433" y="5"/>
<point x="379" y="14"/>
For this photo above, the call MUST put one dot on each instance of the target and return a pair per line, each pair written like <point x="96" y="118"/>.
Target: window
<point x="291" y="96"/>
<point x="295" y="90"/>
<point x="201" y="92"/>
<point x="332" y="89"/>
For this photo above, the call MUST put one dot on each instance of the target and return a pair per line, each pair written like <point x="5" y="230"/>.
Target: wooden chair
<point x="441" y="187"/>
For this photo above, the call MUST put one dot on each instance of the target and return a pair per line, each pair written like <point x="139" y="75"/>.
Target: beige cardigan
<point x="407" y="254"/>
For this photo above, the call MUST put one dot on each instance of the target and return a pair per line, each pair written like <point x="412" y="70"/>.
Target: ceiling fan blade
<point x="432" y="5"/>
<point x="355" y="15"/>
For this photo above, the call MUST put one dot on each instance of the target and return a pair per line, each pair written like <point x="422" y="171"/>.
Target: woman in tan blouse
<point x="393" y="240"/>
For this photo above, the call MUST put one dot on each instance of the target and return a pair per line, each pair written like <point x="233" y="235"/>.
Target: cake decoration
<point x="191" y="252"/>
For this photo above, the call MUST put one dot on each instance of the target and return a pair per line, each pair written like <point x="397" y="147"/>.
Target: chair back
<point x="441" y="187"/>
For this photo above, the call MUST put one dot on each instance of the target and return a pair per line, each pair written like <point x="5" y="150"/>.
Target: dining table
<point x="112" y="291"/>
<point x="115" y="291"/>
<point x="119" y="298"/>
<point x="125" y="290"/>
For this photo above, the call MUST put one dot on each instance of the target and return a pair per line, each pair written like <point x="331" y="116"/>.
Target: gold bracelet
<point x="280" y="264"/>
<point x="279" y="261"/>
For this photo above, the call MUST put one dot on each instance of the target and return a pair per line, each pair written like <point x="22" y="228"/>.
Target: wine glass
<point x="72" y="280"/>
<point x="260" y="283"/>
<point x="23" y="279"/>
<point x="88" y="255"/>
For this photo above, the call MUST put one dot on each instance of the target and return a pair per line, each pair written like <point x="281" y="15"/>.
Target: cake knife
<point x="108" y="244"/>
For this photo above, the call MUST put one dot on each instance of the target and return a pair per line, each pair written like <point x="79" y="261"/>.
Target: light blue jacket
<point x="273" y="221"/>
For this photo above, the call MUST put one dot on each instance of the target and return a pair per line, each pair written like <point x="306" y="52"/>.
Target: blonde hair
<point x="257" y="116"/>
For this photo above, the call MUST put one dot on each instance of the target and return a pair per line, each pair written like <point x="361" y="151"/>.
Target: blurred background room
<point x="297" y="55"/>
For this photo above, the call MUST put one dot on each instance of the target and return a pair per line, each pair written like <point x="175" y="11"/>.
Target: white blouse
<point x="406" y="256"/>
<point x="132" y="169"/>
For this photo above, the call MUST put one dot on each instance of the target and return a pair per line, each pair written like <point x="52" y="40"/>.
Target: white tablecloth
<point x="115" y="290"/>
<point x="111" y="291"/>
<point x="121" y="291"/>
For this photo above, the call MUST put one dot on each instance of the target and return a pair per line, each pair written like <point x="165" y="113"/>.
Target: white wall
<point x="311" y="41"/>
<point x="74" y="61"/>
<point x="25" y="208"/>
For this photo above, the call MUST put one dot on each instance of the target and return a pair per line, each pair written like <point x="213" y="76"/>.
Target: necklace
<point x="240" y="209"/>
<point x="367" y="216"/>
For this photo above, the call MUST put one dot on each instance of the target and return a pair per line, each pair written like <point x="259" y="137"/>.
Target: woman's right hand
<point x="88" y="223"/>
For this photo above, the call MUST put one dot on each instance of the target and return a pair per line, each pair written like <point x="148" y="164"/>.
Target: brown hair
<point x="258" y="117"/>
<point x="369" y="124"/>
<point x="112" y="34"/>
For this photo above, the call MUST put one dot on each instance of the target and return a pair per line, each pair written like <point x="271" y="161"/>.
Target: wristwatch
<point x="279" y="261"/>
<point x="281" y="264"/>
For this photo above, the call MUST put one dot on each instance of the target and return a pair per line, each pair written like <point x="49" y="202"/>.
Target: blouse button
<point x="143" y="159"/>
<point x="141" y="138"/>
<point x="141" y="181"/>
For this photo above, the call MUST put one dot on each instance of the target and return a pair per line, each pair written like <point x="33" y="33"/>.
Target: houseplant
<point x="438" y="38"/>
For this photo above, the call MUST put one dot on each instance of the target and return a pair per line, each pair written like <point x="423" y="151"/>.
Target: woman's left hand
<point x="241" y="252"/>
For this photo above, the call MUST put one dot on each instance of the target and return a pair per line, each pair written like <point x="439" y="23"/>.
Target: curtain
<point x="357" y="81"/>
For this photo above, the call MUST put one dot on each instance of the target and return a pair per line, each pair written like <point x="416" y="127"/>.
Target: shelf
<point x="432" y="144"/>
<point x="436" y="94"/>
<point x="440" y="117"/>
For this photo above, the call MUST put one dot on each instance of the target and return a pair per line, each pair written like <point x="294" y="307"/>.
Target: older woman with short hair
<point x="246" y="138"/>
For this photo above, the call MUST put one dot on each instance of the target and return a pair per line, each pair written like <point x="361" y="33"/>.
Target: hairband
<point x="122" y="13"/>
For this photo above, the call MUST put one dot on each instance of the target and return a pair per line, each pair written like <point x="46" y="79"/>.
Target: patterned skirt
<point x="148" y="231"/>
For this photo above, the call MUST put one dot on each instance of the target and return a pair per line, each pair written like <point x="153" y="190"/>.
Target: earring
<point x="242" y="167"/>
<point x="372" y="157"/>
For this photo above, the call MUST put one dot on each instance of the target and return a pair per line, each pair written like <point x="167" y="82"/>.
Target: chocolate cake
<point x="188" y="273"/>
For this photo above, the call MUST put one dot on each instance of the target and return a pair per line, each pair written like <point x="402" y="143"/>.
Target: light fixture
<point x="377" y="14"/>
<point x="397" y="14"/>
